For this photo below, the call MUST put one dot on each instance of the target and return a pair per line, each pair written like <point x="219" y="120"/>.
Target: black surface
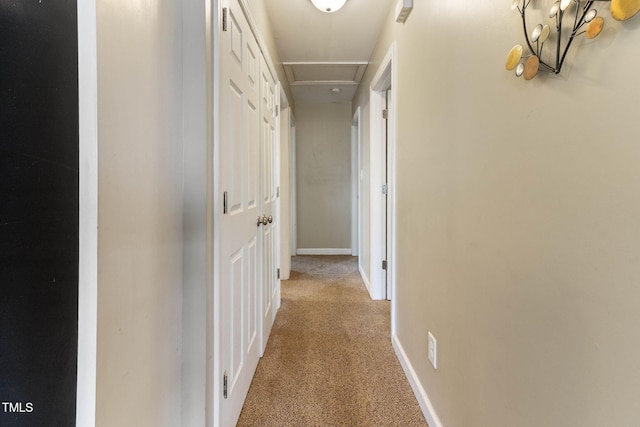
<point x="38" y="212"/>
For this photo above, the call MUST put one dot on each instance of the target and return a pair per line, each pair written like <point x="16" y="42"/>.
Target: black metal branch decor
<point x="569" y="19"/>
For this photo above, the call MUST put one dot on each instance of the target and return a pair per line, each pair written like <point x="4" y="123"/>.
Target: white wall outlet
<point x="432" y="350"/>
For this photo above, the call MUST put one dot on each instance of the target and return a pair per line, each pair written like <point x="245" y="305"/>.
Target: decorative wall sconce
<point x="582" y="18"/>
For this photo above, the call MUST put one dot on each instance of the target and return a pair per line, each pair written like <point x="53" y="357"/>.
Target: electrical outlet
<point x="432" y="350"/>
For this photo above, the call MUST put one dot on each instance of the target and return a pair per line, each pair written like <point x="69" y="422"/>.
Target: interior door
<point x="268" y="180"/>
<point x="238" y="188"/>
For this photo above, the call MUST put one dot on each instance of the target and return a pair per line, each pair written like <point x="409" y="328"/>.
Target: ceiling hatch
<point x="317" y="81"/>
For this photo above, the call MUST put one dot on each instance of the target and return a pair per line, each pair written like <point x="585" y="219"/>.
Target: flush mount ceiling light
<point x="335" y="90"/>
<point x="328" y="6"/>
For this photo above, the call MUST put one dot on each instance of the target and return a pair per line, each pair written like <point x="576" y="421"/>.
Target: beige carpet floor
<point x="329" y="360"/>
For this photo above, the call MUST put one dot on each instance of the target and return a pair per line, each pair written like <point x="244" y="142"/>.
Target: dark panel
<point x="38" y="212"/>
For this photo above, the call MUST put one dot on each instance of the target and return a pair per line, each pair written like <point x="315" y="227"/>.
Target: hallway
<point x="140" y="141"/>
<point x="329" y="360"/>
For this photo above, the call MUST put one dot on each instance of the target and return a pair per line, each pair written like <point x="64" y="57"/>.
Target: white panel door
<point x="238" y="246"/>
<point x="268" y="182"/>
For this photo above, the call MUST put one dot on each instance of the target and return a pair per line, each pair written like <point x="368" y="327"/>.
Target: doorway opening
<point x="382" y="166"/>
<point x="356" y="183"/>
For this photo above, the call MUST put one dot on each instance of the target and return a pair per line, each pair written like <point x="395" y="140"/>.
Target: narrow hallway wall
<point x="285" y="189"/>
<point x="140" y="213"/>
<point x="197" y="262"/>
<point x="517" y="212"/>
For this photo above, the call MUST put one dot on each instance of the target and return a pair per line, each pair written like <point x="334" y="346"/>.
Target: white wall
<point x="140" y="174"/>
<point x="285" y="191"/>
<point x="323" y="176"/>
<point x="517" y="212"/>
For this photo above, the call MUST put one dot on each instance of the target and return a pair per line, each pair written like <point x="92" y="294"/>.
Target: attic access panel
<point x="311" y="73"/>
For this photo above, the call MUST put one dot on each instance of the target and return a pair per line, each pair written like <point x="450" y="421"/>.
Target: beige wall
<point x="518" y="206"/>
<point x="153" y="184"/>
<point x="364" y="252"/>
<point x="323" y="168"/>
<point x="139" y="213"/>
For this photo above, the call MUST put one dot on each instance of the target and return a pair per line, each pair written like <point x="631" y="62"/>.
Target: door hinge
<point x="278" y="273"/>
<point x="385" y="114"/>
<point x="225" y="381"/>
<point x="384" y="264"/>
<point x="277" y="110"/>
<point x="385" y="189"/>
<point x="278" y="191"/>
<point x="225" y="196"/>
<point x="224" y="19"/>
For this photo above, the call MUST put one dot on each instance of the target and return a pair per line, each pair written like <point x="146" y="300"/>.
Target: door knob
<point x="265" y="220"/>
<point x="259" y="220"/>
<point x="270" y="219"/>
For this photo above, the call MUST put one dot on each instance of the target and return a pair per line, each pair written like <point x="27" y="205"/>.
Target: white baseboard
<point x="423" y="400"/>
<point x="365" y="279"/>
<point x="324" y="251"/>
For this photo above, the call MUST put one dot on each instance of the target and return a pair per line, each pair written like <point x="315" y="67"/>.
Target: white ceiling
<point x="321" y="51"/>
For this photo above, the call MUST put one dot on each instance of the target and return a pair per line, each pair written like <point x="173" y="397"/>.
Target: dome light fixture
<point x="328" y="6"/>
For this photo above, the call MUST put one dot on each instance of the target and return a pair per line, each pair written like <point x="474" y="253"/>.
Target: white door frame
<point x="269" y="161"/>
<point x="292" y="187"/>
<point x="214" y="375"/>
<point x="356" y="136"/>
<point x="384" y="79"/>
<point x="88" y="218"/>
<point x="281" y="99"/>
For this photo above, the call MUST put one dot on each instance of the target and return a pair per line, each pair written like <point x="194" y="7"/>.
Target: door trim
<point x="375" y="215"/>
<point x="214" y="373"/>
<point x="385" y="78"/>
<point x="88" y="217"/>
<point x="292" y="186"/>
<point x="356" y="136"/>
